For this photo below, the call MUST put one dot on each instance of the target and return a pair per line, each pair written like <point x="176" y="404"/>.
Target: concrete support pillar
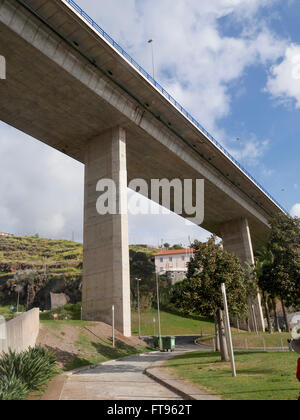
<point x="106" y="280"/>
<point x="237" y="240"/>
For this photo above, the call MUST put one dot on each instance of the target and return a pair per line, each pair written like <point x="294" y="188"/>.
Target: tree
<point x="265" y="258"/>
<point x="177" y="246"/>
<point x="280" y="276"/>
<point x="143" y="268"/>
<point x="201" y="291"/>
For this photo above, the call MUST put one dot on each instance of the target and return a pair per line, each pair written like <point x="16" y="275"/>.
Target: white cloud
<point x="284" y="80"/>
<point x="194" y="61"/>
<point x="295" y="210"/>
<point x="41" y="189"/>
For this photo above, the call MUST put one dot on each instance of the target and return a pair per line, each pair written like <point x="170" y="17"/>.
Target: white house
<point x="173" y="263"/>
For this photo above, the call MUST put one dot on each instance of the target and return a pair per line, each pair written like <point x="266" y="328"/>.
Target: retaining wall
<point x="21" y="332"/>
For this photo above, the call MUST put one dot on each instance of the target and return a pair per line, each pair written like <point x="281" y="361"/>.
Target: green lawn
<point x="171" y="324"/>
<point x="260" y="375"/>
<point x="247" y="340"/>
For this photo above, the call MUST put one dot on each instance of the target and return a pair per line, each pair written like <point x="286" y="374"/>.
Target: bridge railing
<point x="168" y="96"/>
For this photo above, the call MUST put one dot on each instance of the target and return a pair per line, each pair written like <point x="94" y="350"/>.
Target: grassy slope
<point x="31" y="252"/>
<point x="48" y="261"/>
<point x="260" y="375"/>
<point x="171" y="324"/>
<point x="75" y="346"/>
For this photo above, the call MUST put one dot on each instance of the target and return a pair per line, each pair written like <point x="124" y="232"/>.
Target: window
<point x="171" y="259"/>
<point x="183" y="258"/>
<point x="161" y="260"/>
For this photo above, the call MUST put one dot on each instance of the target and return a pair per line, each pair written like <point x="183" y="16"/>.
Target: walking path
<point x="138" y="377"/>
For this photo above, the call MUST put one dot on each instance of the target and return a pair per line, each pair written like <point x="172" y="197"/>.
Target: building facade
<point x="173" y="263"/>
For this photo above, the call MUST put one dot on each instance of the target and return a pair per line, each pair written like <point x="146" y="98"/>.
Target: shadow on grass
<point x="68" y="360"/>
<point x="121" y="350"/>
<point x="186" y="315"/>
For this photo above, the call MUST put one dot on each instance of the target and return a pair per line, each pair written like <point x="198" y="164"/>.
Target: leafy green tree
<point x="177" y="246"/>
<point x="280" y="276"/>
<point x="141" y="267"/>
<point x="201" y="291"/>
<point x="264" y="260"/>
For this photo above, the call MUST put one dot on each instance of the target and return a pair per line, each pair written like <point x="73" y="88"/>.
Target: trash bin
<point x="168" y="343"/>
<point x="155" y="341"/>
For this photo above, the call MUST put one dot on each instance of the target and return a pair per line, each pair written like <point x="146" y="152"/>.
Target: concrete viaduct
<point x="69" y="85"/>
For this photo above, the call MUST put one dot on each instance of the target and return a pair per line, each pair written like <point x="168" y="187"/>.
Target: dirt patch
<point x="104" y="331"/>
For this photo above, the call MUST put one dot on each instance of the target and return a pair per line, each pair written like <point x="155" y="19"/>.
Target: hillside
<point x="42" y="266"/>
<point x="79" y="343"/>
<point x="39" y="266"/>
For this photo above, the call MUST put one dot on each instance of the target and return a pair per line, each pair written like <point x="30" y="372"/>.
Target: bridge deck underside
<point x="43" y="100"/>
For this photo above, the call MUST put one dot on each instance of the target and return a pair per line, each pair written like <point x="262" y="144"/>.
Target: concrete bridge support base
<point x="105" y="256"/>
<point x="237" y="240"/>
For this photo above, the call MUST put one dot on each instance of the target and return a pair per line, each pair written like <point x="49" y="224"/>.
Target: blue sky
<point x="234" y="64"/>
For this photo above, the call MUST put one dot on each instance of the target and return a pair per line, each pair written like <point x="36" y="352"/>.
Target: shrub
<point x="12" y="389"/>
<point x="25" y="372"/>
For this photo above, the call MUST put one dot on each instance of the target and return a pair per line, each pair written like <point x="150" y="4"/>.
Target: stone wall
<point x="21" y="332"/>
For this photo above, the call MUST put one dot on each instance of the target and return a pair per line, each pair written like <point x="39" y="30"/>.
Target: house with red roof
<point x="5" y="234"/>
<point x="173" y="263"/>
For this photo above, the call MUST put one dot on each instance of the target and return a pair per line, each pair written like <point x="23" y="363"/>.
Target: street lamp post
<point x="158" y="310"/>
<point x="113" y="326"/>
<point x="18" y="290"/>
<point x="153" y="66"/>
<point x="139" y="312"/>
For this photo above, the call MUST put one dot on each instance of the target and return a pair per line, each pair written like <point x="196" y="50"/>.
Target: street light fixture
<point x="153" y="67"/>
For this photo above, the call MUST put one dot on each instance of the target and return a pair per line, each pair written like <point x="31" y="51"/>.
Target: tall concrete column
<point x="237" y="240"/>
<point x="105" y="252"/>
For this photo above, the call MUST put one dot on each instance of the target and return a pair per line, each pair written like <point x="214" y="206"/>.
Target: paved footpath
<point x="122" y="379"/>
<point x="125" y="379"/>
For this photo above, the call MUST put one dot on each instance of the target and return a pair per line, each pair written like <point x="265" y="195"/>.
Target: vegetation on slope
<point x="82" y="343"/>
<point x="34" y="266"/>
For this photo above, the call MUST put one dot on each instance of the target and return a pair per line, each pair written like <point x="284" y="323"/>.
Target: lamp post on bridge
<point x="153" y="66"/>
